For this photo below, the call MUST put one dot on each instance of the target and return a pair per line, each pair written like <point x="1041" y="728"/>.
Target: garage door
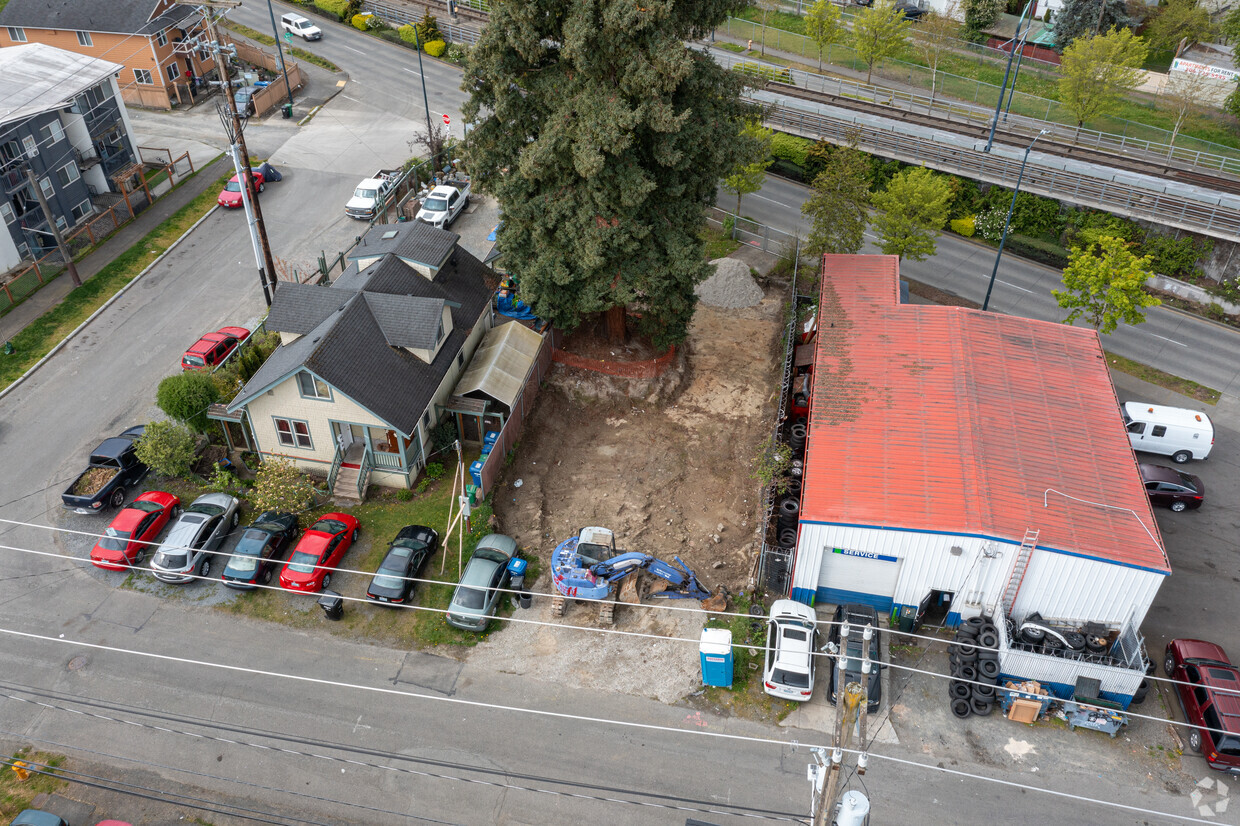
<point x="858" y="576"/>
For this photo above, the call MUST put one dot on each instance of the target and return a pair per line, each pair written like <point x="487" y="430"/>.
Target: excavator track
<point x="607" y="612"/>
<point x="558" y="604"/>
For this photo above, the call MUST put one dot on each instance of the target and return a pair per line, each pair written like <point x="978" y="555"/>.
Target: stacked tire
<point x="973" y="658"/>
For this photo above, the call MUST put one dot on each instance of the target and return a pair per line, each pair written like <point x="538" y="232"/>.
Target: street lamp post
<point x="994" y="123"/>
<point x="417" y="42"/>
<point x="280" y="51"/>
<point x="1008" y="221"/>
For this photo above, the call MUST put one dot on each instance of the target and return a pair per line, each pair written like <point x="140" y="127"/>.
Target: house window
<point x="60" y="222"/>
<point x="439" y="334"/>
<point x="426" y="418"/>
<point x="51" y="133"/>
<point x="45" y="184"/>
<point x="23" y="249"/>
<point x="6" y="212"/>
<point x="68" y="173"/>
<point x="17" y="35"/>
<point x="312" y="388"/>
<point x="293" y="433"/>
<point x="161" y="38"/>
<point x="172" y="70"/>
<point x="82" y="210"/>
<point x="143" y="76"/>
<point x="84" y="39"/>
<point x="32" y="146"/>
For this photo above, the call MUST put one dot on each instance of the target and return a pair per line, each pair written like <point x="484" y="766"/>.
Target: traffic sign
<point x="446" y="120"/>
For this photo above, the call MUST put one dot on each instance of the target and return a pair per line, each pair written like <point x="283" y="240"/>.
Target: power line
<point x="579" y="718"/>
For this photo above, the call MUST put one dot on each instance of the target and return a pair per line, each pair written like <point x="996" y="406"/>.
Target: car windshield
<point x="1186" y="480"/>
<point x="115" y="540"/>
<point x="792" y="679"/>
<point x="331" y="526"/>
<point x="1229" y="746"/>
<point x="471" y="598"/>
<point x="395" y="560"/>
<point x="232" y="186"/>
<point x="435" y="204"/>
<point x="172" y="560"/>
<point x="145" y="506"/>
<point x="302" y="562"/>
<point x="206" y="508"/>
<point x="364" y="193"/>
<point x="195" y="360"/>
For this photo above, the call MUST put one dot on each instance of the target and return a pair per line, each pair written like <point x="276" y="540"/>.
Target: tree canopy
<point x="915" y="207"/>
<point x="1079" y="18"/>
<point x="824" y="23"/>
<point x="1104" y="285"/>
<point x="604" y="137"/>
<point x="1179" y="20"/>
<point x="839" y="204"/>
<point x="749" y="175"/>
<point x="879" y="31"/>
<point x="1098" y="70"/>
<point x="935" y="37"/>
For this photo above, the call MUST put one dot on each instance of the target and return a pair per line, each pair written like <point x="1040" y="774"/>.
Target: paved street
<point x="413" y="759"/>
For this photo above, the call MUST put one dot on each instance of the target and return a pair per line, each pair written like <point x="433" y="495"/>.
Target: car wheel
<point x="1194" y="740"/>
<point x="1032" y="634"/>
<point x="327" y="580"/>
<point x="266" y="577"/>
<point x="1181" y="456"/>
<point x="176" y="511"/>
<point x="1179" y="507"/>
<point x="1075" y="640"/>
<point x="205" y="571"/>
<point x="261" y="185"/>
<point x="1169" y="665"/>
<point x="236" y="518"/>
<point x="353" y="538"/>
<point x="117" y="498"/>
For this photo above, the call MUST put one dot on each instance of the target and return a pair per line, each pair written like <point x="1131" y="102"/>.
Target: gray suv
<point x="200" y="530"/>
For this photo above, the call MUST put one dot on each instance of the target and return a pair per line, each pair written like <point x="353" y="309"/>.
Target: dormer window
<point x="312" y="388"/>
<point x="439" y="335"/>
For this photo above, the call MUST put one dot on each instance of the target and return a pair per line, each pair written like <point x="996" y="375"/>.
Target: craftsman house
<point x="366" y="365"/>
<point x="154" y="40"/>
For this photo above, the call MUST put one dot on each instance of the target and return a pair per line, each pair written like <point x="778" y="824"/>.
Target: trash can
<point x="908" y="618"/>
<point x="716" y="651"/>
<point x="472" y="492"/>
<point x="489" y="439"/>
<point x="475" y="470"/>
<point x="332" y="604"/>
<point x="287" y="109"/>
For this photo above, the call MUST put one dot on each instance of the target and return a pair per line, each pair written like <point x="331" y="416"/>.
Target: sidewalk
<point x="124" y="238"/>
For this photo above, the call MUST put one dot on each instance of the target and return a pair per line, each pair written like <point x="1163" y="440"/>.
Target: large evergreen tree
<point x="604" y="138"/>
<point x="1079" y="18"/>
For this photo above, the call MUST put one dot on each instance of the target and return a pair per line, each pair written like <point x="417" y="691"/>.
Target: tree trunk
<point x="738" y="203"/>
<point x="616" y="333"/>
<point x="764" y="32"/>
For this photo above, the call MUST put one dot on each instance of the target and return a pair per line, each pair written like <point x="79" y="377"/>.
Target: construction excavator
<point x="588" y="566"/>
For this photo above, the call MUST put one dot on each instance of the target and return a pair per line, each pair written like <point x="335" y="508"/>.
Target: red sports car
<point x="133" y="530"/>
<point x="320" y="550"/>
<point x="230" y="196"/>
<point x="213" y="348"/>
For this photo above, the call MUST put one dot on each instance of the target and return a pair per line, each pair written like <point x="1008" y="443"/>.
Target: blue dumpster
<point x="475" y="470"/>
<point x="716" y="651"/>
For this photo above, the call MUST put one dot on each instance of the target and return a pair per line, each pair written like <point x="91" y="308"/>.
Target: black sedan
<point x="260" y="548"/>
<point x="405" y="557"/>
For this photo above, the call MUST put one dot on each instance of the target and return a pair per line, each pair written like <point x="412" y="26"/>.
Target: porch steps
<point x="1017" y="576"/>
<point x="345" y="491"/>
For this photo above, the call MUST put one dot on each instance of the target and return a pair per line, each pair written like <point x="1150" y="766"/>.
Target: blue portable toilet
<point x="716" y="652"/>
<point x="475" y="470"/>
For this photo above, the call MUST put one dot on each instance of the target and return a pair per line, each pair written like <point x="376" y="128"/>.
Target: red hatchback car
<point x="320" y="550"/>
<point x="133" y="531"/>
<point x="230" y="196"/>
<point x="1208" y="686"/>
<point x="211" y="350"/>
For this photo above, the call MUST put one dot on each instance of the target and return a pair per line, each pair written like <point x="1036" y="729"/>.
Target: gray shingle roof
<point x="121" y="16"/>
<point x="353" y="333"/>
<point x="411" y="240"/>
<point x="35" y="78"/>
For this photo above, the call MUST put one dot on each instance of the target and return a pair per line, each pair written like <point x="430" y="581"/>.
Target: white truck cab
<point x="1169" y="431"/>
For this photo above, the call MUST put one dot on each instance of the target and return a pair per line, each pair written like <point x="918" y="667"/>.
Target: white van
<point x="1171" y="431"/>
<point x="300" y="26"/>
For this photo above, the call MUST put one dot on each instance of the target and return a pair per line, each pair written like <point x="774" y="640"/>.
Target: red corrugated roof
<point x="951" y="419"/>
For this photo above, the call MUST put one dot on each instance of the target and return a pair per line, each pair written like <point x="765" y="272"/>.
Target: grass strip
<point x="268" y="40"/>
<point x="1153" y="375"/>
<point x="49" y="329"/>
<point x="16" y="794"/>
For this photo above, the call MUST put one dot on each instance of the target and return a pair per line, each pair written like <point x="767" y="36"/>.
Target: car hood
<point x="357" y="203"/>
<point x="428" y="217"/>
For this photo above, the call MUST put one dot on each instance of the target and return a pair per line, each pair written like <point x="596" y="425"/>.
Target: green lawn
<point x="15" y="794"/>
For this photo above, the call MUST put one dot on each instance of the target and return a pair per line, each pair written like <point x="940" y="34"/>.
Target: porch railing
<point x="363" y="475"/>
<point x="331" y="474"/>
<point x="387" y="461"/>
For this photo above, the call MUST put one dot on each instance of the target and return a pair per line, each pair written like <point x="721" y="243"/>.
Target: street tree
<point x="1186" y="96"/>
<point x="1104" y="284"/>
<point x="604" y="137"/>
<point x="980" y="15"/>
<point x="1179" y="20"/>
<point x="1098" y="70"/>
<point x="879" y="31"/>
<point x="1230" y="27"/>
<point x="934" y="37"/>
<point x="839" y="204"/>
<point x="1080" y="18"/>
<point x="750" y="172"/>
<point x="914" y="207"/>
<point x="825" y="26"/>
<point x="766" y="7"/>
<point x="186" y="396"/>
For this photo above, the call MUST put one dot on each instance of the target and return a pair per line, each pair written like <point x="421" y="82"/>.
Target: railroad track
<point x="1048" y="145"/>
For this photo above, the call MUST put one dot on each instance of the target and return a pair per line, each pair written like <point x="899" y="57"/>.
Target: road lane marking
<point x="350" y="48"/>
<point x="1014" y="286"/>
<point x="411" y="71"/>
<point x="1173" y="341"/>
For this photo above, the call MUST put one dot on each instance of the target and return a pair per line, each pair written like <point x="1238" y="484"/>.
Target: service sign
<point x="865" y="554"/>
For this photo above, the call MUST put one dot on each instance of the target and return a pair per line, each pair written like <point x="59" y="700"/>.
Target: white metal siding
<point x="1046" y="668"/>
<point x="1074" y="590"/>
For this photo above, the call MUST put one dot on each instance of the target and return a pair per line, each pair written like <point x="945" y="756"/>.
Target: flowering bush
<point x="990" y="223"/>
<point x="361" y="21"/>
<point x="457" y="52"/>
<point x="280" y="486"/>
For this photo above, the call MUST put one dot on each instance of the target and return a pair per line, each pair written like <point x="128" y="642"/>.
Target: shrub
<point x="785" y="147"/>
<point x="404" y="495"/>
<point x="1175" y="257"/>
<point x="989" y="224"/>
<point x="434" y="470"/>
<point x="1215" y="311"/>
<point x="964" y="226"/>
<point x="1036" y="216"/>
<point x="407" y="33"/>
<point x="280" y="486"/>
<point x="787" y="169"/>
<point x="340" y="8"/>
<point x="167" y="448"/>
<point x="762" y="74"/>
<point x="435" y="48"/>
<point x="186" y="396"/>
<point x="965" y="197"/>
<point x="224" y="480"/>
<point x="1036" y="249"/>
<point x="428" y="29"/>
<point x="362" y="21"/>
<point x="457" y="52"/>
<point x="1090" y="226"/>
<point x="443" y="435"/>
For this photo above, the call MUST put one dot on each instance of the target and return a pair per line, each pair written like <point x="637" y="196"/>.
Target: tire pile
<point x="974" y="661"/>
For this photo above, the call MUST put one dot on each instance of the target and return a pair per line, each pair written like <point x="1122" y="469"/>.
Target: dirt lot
<point x="670" y="477"/>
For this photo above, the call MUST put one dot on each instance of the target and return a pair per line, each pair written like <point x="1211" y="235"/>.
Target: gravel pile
<point x="731" y="287"/>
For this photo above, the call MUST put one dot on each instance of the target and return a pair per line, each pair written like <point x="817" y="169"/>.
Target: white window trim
<point x="72" y="174"/>
<point x="17" y="34"/>
<point x="45" y="183"/>
<point x="172" y="71"/>
<point x="86" y="208"/>
<point x="31" y="146"/>
<point x="161" y="37"/>
<point x="61" y="223"/>
<point x="138" y="75"/>
<point x="6" y="212"/>
<point x="84" y="39"/>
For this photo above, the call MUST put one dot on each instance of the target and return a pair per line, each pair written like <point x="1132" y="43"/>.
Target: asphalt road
<point x="430" y="760"/>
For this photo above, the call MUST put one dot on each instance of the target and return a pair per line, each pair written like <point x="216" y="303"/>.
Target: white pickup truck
<point x="442" y="204"/>
<point x="370" y="193"/>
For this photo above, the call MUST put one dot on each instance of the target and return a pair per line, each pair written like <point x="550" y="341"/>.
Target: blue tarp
<point x="513" y="308"/>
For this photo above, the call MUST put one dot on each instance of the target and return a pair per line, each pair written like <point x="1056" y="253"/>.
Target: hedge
<point x="408" y="33"/>
<point x="964" y="226"/>
<point x="336" y="7"/>
<point x="361" y="21"/>
<point x="435" y="48"/>
<point x="1043" y="252"/>
<point x="758" y="71"/>
<point x="790" y="148"/>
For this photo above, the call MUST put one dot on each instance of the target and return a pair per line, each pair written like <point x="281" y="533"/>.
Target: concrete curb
<point x="106" y="304"/>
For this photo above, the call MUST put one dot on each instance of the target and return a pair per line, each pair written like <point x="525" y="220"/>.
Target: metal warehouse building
<point x="972" y="461"/>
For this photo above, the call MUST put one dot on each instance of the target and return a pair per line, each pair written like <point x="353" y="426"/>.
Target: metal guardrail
<point x="402" y="15"/>
<point x="1121" y="199"/>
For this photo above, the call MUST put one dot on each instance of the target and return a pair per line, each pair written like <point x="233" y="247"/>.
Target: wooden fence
<point x="275" y="93"/>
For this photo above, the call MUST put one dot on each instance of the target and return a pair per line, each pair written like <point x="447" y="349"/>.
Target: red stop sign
<point x="446" y="120"/>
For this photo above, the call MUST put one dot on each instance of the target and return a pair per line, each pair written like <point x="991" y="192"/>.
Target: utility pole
<point x="280" y="53"/>
<point x="241" y="156"/>
<point x="51" y="222"/>
<point x="851" y="711"/>
<point x="994" y="123"/>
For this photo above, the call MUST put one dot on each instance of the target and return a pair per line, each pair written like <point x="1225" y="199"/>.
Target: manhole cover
<point x="77" y="663"/>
